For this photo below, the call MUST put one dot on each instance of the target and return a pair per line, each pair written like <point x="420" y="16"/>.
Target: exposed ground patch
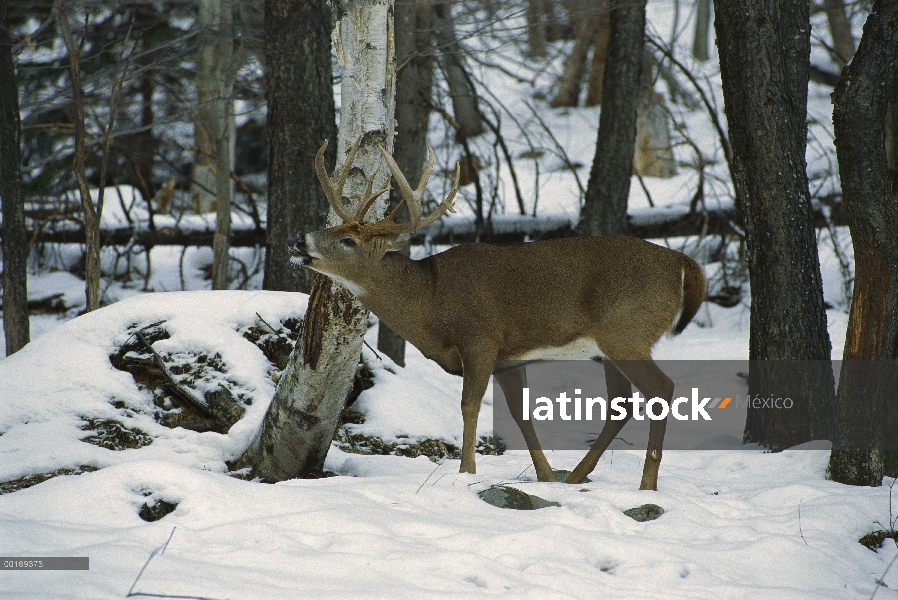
<point x="7" y="487"/>
<point x="112" y="435"/>
<point x="434" y="449"/>
<point x="155" y="511"/>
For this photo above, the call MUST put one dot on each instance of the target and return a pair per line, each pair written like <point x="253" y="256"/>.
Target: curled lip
<point x="299" y="257"/>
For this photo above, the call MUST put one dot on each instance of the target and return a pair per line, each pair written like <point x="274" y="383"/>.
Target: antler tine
<point x="395" y="211"/>
<point x="413" y="226"/>
<point x="333" y="186"/>
<point x="445" y="205"/>
<point x="367" y="199"/>
<point x="425" y="174"/>
<point x="411" y="197"/>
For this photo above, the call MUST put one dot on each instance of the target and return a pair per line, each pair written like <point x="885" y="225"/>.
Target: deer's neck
<point x="398" y="292"/>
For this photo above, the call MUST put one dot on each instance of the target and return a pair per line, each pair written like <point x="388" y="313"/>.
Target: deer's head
<point x="348" y="252"/>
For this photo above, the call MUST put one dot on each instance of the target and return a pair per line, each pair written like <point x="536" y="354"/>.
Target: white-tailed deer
<point x="475" y="305"/>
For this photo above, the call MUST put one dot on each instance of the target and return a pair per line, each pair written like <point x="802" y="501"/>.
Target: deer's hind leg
<point x="618" y="387"/>
<point x="653" y="383"/>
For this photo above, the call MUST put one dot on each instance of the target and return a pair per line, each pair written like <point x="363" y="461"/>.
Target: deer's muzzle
<point x="298" y="250"/>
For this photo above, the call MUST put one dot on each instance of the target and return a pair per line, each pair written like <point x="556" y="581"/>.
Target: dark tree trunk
<point x="144" y="149"/>
<point x="865" y="439"/>
<point x="597" y="63"/>
<point x="702" y="24"/>
<point x="839" y="31"/>
<point x="536" y="28"/>
<point x="605" y="206"/>
<point x="414" y="80"/>
<point x="588" y="18"/>
<point x="764" y="47"/>
<point x="301" y="115"/>
<point x="464" y="96"/>
<point x="15" y="238"/>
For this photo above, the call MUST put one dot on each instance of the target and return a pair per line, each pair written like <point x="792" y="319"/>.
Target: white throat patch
<point x="353" y="288"/>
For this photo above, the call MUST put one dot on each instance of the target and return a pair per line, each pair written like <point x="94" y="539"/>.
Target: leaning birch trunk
<point x="222" y="121"/>
<point x="300" y="423"/>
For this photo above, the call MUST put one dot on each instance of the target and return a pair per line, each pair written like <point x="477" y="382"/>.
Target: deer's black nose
<point x="297" y="245"/>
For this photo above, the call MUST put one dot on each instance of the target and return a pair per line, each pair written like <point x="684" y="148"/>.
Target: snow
<point x="389" y="526"/>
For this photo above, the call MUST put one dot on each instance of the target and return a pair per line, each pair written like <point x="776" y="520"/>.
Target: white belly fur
<point x="579" y="349"/>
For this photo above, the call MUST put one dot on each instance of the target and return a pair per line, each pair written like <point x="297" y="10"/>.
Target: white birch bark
<point x="300" y="423"/>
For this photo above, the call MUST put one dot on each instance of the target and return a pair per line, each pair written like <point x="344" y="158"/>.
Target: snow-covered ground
<point x="738" y="524"/>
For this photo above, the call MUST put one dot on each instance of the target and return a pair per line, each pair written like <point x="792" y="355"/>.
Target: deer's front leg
<point x="513" y="381"/>
<point x="476" y="372"/>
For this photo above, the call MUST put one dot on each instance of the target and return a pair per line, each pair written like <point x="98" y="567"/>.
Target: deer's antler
<point x="333" y="186"/>
<point x="333" y="189"/>
<point x="368" y="198"/>
<point x="414" y="198"/>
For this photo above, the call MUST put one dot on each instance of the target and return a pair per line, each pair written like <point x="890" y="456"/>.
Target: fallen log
<point x="651" y="223"/>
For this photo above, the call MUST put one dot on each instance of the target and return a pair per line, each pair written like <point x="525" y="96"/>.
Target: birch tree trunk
<point x="840" y="31"/>
<point x="653" y="155"/>
<point x="298" y="429"/>
<point x="702" y="25"/>
<point x="222" y="122"/>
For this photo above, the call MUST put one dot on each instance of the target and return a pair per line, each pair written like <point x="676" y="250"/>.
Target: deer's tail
<point x="693" y="293"/>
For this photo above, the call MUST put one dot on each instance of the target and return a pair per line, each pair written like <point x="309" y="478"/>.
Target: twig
<point x="117" y="84"/>
<point x="439" y="464"/>
<point x="800" y="532"/>
<point x="562" y="153"/>
<point x="533" y="151"/>
<point x="712" y="112"/>
<point x="883" y="576"/>
<point x="158" y="550"/>
<point x="373" y="350"/>
<point x="496" y="127"/>
<point x="645" y="190"/>
<point x="121" y="351"/>
<point x="267" y="324"/>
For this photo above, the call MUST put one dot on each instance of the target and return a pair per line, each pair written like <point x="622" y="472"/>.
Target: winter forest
<point x="282" y="281"/>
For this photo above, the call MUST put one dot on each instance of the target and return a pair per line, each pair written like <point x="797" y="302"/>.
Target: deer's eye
<point x="348" y="242"/>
